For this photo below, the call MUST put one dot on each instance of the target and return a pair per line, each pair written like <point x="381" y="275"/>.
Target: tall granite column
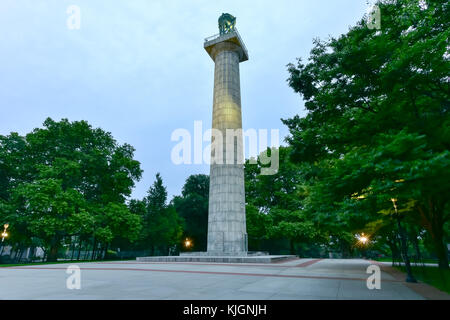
<point x="227" y="233"/>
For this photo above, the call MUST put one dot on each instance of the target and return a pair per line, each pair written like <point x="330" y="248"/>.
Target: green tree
<point x="115" y="220"/>
<point x="378" y="120"/>
<point x="162" y="225"/>
<point x="60" y="180"/>
<point x="44" y="210"/>
<point x="274" y="203"/>
<point x="192" y="206"/>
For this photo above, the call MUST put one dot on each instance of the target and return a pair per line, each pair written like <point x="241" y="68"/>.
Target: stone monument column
<point x="227" y="232"/>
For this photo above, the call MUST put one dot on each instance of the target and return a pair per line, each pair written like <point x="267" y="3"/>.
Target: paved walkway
<point x="294" y="279"/>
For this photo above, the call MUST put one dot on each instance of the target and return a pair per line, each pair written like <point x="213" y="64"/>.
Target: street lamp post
<point x="364" y="240"/>
<point x="404" y="247"/>
<point x="4" y="235"/>
<point x="187" y="243"/>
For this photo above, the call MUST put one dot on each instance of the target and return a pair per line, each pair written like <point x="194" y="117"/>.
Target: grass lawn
<point x="434" y="276"/>
<point x="387" y="259"/>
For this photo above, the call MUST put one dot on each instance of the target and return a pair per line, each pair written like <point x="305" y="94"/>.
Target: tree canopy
<point x="67" y="179"/>
<point x="377" y="126"/>
<point x="192" y="206"/>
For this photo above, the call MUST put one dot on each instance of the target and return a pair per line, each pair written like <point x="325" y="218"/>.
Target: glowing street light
<point x="362" y="243"/>
<point x="363" y="239"/>
<point x="187" y="243"/>
<point x="5" y="234"/>
<point x="394" y="202"/>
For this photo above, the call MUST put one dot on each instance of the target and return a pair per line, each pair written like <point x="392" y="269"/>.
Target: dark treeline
<point x="372" y="153"/>
<point x="65" y="186"/>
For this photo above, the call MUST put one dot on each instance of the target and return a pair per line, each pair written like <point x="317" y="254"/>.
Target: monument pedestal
<point x="218" y="259"/>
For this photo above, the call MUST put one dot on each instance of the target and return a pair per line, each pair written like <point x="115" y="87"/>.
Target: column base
<point x="203" y="257"/>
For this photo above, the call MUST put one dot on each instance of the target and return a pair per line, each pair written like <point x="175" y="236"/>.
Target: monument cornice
<point x="231" y="41"/>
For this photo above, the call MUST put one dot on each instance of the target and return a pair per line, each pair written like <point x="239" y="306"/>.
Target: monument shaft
<point x="227" y="233"/>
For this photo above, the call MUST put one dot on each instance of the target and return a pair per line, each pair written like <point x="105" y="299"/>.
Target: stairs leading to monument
<point x="218" y="259"/>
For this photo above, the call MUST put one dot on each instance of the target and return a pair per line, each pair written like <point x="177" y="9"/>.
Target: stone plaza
<point x="294" y="279"/>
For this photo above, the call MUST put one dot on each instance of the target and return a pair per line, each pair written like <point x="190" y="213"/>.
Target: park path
<point x="294" y="279"/>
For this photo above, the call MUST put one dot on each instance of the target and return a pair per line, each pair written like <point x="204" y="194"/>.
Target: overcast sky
<point x="138" y="68"/>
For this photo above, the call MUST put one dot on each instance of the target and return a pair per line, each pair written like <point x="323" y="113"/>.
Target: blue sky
<point x="138" y="68"/>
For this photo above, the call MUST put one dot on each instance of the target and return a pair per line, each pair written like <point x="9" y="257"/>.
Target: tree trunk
<point x="21" y="254"/>
<point x="73" y="251"/>
<point x="415" y="242"/>
<point x="86" y="251"/>
<point x="53" y="253"/>
<point x="16" y="251"/>
<point x="439" y="246"/>
<point x="392" y="241"/>
<point x="18" y="255"/>
<point x="106" y="250"/>
<point x="409" y="277"/>
<point x="93" y="249"/>
<point x="345" y="249"/>
<point x="291" y="246"/>
<point x="32" y="253"/>
<point x="442" y="253"/>
<point x="394" y="251"/>
<point x="80" y="243"/>
<point x="44" y="257"/>
<point x="433" y="218"/>
<point x="99" y="251"/>
<point x="398" y="244"/>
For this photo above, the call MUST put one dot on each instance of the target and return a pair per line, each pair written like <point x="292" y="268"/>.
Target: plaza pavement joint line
<point x="208" y="272"/>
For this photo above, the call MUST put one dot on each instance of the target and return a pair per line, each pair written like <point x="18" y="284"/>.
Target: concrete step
<point x="221" y="259"/>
